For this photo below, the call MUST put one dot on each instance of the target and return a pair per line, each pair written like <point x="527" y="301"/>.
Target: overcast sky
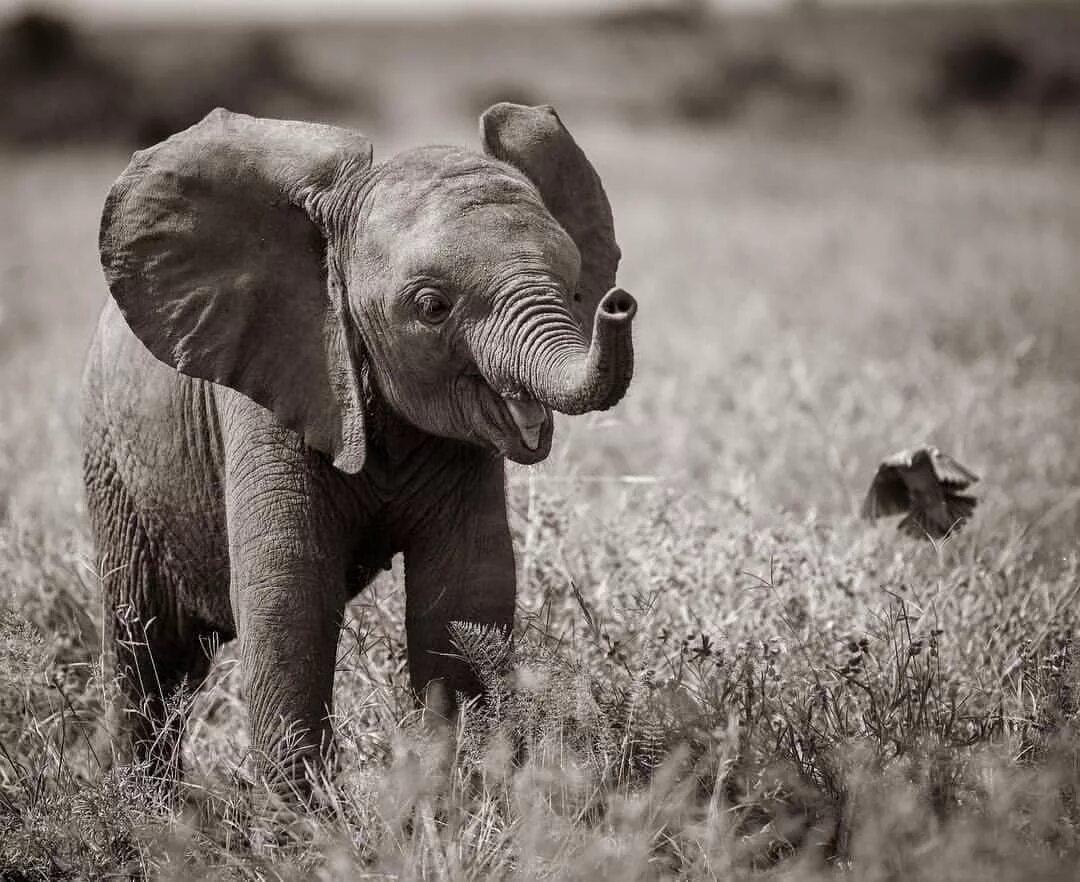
<point x="264" y="10"/>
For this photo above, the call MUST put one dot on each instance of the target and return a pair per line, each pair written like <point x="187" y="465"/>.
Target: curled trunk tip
<point x="593" y="377"/>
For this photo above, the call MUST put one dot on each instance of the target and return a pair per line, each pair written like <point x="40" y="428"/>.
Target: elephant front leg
<point x="288" y="567"/>
<point x="289" y="625"/>
<point x="459" y="566"/>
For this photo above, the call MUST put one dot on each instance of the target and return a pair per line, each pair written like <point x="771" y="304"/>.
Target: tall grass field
<point x="719" y="671"/>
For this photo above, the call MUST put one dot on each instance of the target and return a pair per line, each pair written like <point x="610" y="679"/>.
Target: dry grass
<point x="720" y="672"/>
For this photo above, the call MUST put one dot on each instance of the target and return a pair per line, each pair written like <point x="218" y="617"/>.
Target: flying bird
<point x="925" y="484"/>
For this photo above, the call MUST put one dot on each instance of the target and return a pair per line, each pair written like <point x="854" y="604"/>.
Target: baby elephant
<point x="311" y="362"/>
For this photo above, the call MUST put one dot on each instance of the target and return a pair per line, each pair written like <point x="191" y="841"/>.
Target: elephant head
<point x="472" y="293"/>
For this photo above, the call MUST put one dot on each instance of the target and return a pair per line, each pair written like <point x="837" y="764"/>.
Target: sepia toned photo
<point x="539" y="440"/>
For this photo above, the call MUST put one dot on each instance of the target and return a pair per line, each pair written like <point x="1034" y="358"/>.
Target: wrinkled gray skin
<point x="310" y="363"/>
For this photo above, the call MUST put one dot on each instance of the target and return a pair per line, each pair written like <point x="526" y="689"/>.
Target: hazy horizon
<point x="285" y="10"/>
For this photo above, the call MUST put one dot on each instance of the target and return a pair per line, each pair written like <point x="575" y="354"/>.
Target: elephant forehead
<point x="453" y="205"/>
<point x="449" y="180"/>
<point x="493" y="230"/>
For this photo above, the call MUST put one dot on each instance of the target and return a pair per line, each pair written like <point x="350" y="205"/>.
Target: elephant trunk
<point x="572" y="376"/>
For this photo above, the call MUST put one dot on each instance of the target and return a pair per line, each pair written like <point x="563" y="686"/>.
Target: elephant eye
<point x="432" y="306"/>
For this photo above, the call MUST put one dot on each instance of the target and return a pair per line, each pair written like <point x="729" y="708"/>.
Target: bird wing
<point x="902" y="459"/>
<point x="888" y="493"/>
<point x="949" y="472"/>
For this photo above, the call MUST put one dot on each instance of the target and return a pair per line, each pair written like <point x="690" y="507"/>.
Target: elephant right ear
<point x="213" y="250"/>
<point x="535" y="141"/>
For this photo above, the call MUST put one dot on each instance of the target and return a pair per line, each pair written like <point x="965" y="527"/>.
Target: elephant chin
<point x="515" y="449"/>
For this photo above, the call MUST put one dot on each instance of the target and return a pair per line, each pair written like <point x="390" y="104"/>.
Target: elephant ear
<point x="213" y="249"/>
<point x="534" y="140"/>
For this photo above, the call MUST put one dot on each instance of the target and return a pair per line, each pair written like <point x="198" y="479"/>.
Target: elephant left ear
<point x="535" y="141"/>
<point x="215" y="249"/>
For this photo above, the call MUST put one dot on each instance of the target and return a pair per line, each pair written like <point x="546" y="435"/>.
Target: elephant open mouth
<point x="529" y="417"/>
<point x="526" y="428"/>
<point x="513" y="423"/>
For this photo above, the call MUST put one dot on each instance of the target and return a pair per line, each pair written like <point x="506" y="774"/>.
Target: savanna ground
<point x="720" y="671"/>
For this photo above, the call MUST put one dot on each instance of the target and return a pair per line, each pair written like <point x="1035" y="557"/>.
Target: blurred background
<point x="851" y="226"/>
<point x="129" y="72"/>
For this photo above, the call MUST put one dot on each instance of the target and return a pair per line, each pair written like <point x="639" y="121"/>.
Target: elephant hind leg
<point x="157" y="653"/>
<point x="157" y="667"/>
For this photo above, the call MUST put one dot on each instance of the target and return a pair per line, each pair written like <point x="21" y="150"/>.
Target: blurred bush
<point x="60" y="88"/>
<point x="729" y="87"/>
<point x="55" y="88"/>
<point x="989" y="72"/>
<point x="253" y="73"/>
<point x="645" y="18"/>
<point x="980" y="69"/>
